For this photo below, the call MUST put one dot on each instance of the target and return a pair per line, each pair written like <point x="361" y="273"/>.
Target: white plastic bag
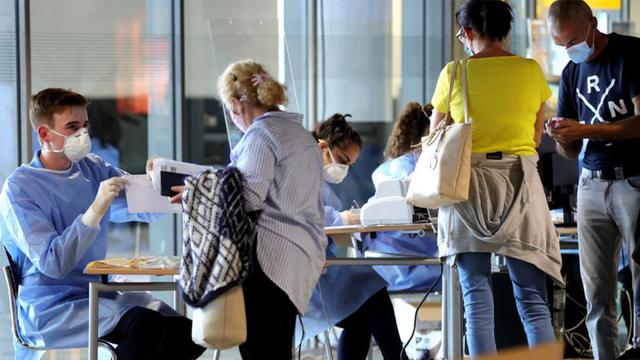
<point x="222" y="323"/>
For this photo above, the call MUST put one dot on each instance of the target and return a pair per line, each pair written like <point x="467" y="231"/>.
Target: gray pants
<point x="608" y="214"/>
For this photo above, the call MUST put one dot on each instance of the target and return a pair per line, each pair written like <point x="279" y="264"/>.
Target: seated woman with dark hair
<point x="401" y="157"/>
<point x="354" y="298"/>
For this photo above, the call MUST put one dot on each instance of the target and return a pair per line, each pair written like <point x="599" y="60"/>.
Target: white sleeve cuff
<point x="91" y="218"/>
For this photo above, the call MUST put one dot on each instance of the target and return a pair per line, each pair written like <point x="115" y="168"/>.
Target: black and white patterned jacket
<point x="218" y="235"/>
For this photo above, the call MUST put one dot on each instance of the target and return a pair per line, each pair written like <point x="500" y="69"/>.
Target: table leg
<point x="354" y="243"/>
<point x="327" y="345"/>
<point x="178" y="304"/>
<point x="93" y="321"/>
<point x="636" y="332"/>
<point x="452" y="314"/>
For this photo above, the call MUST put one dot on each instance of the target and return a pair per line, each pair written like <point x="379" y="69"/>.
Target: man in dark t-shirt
<point x="598" y="110"/>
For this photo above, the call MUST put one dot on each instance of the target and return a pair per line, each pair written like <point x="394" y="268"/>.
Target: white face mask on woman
<point x="335" y="172"/>
<point x="76" y="146"/>
<point x="238" y="121"/>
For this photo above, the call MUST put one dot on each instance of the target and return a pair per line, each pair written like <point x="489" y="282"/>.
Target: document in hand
<point x="168" y="173"/>
<point x="143" y="198"/>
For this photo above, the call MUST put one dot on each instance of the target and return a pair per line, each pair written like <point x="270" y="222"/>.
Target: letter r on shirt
<point x="593" y="82"/>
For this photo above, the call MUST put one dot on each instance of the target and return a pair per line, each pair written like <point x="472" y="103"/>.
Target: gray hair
<point x="563" y="10"/>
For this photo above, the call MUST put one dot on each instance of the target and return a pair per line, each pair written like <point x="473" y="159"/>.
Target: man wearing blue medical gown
<point x="54" y="215"/>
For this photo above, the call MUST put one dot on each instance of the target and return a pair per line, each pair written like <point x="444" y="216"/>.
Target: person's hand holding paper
<point x="166" y="174"/>
<point x="142" y="197"/>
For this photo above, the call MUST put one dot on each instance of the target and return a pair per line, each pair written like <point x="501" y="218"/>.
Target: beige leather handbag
<point x="222" y="323"/>
<point x="443" y="170"/>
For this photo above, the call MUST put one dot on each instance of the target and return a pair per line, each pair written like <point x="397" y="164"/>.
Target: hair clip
<point x="258" y="79"/>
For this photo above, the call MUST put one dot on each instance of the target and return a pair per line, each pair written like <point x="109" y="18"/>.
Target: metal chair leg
<point x="216" y="354"/>
<point x="107" y="346"/>
<point x="327" y="345"/>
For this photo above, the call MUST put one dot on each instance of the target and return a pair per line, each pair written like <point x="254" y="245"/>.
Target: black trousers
<point x="375" y="317"/>
<point x="271" y="319"/>
<point x="143" y="334"/>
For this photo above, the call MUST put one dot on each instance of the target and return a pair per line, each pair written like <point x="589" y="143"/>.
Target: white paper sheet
<point x="162" y="164"/>
<point x="143" y="198"/>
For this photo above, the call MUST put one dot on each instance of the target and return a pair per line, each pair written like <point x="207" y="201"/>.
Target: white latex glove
<point x="149" y="166"/>
<point x="155" y="177"/>
<point x="108" y="190"/>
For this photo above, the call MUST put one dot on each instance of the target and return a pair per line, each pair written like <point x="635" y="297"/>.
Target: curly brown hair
<point x="412" y="124"/>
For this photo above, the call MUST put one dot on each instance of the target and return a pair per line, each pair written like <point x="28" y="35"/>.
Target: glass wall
<point x="118" y="54"/>
<point x="375" y="57"/>
<point x="9" y="145"/>
<point x="220" y="32"/>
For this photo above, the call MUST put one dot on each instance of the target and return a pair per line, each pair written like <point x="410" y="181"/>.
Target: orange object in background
<point x="141" y="67"/>
<point x="596" y="4"/>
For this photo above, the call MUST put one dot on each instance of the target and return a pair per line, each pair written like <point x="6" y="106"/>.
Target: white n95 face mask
<point x="76" y="146"/>
<point x="579" y="53"/>
<point x="335" y="172"/>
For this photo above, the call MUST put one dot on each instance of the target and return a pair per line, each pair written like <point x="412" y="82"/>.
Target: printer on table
<point x="389" y="205"/>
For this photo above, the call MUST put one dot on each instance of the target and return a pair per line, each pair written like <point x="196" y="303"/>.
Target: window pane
<point x="374" y="58"/>
<point x="8" y="138"/>
<point x="8" y="90"/>
<point x="118" y="54"/>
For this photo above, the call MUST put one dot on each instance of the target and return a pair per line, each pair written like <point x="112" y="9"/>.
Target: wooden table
<point x="103" y="270"/>
<point x="343" y="235"/>
<point x="452" y="324"/>
<point x="104" y="285"/>
<point x="451" y="294"/>
<point x="567" y="230"/>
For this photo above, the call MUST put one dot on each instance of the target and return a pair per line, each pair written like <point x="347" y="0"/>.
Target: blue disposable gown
<point x="403" y="278"/>
<point x="41" y="227"/>
<point x="341" y="290"/>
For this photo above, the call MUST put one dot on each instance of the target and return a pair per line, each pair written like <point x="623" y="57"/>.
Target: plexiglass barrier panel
<point x="262" y="40"/>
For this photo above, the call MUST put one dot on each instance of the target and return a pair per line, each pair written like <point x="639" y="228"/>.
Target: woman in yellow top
<point x="506" y="213"/>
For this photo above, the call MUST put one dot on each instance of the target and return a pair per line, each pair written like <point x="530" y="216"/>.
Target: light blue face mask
<point x="467" y="49"/>
<point x="579" y="53"/>
<point x="461" y="38"/>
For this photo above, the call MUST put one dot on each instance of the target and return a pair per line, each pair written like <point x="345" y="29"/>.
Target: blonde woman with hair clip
<point x="282" y="168"/>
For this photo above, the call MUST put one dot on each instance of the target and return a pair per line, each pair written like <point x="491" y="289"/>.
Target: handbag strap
<point x="465" y="92"/>
<point x="454" y="69"/>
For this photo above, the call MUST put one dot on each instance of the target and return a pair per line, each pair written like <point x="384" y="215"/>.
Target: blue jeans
<point x="529" y="289"/>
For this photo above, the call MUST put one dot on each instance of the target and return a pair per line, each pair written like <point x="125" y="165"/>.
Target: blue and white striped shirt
<point x="282" y="166"/>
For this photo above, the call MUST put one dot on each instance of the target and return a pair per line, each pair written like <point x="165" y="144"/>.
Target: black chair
<point x="13" y="283"/>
